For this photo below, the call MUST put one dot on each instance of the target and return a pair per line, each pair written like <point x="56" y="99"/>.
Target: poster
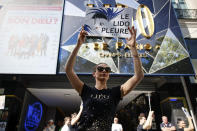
<point x="29" y="37"/>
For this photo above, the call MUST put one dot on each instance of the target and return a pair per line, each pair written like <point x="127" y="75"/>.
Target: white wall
<point x="188" y="28"/>
<point x="192" y="4"/>
<point x="189" y="32"/>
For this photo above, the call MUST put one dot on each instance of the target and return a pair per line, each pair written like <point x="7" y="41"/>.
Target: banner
<point x="29" y="37"/>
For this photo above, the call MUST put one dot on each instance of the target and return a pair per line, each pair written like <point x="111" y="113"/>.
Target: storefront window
<point x="179" y="4"/>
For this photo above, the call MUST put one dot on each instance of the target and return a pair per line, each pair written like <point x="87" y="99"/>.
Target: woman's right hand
<point x="81" y="36"/>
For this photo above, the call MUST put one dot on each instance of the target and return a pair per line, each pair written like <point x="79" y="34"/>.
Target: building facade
<point x="52" y="97"/>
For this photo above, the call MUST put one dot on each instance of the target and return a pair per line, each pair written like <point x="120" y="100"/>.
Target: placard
<point x="109" y="22"/>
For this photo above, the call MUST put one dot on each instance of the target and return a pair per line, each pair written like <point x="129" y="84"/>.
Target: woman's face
<point x="143" y="120"/>
<point x="73" y="115"/>
<point x="102" y="72"/>
<point x="68" y="121"/>
<point x="182" y="124"/>
<point x="116" y="120"/>
<point x="165" y="119"/>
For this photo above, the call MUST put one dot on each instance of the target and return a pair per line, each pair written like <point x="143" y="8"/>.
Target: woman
<point x="144" y="124"/>
<point x="181" y="125"/>
<point x="116" y="126"/>
<point x="100" y="102"/>
<point x="66" y="126"/>
<point x="75" y="118"/>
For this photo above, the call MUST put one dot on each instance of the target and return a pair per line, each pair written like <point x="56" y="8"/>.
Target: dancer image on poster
<point x="100" y="102"/>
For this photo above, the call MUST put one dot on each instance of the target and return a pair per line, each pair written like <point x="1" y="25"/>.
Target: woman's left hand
<point x="132" y="40"/>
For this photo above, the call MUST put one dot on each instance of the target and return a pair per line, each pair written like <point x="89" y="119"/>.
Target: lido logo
<point x="33" y="117"/>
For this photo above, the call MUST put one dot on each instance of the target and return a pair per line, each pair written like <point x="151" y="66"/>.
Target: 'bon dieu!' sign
<point x="109" y="22"/>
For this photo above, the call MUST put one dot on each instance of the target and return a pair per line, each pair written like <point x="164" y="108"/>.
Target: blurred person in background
<point x="144" y="124"/>
<point x="116" y="126"/>
<point x="66" y="126"/>
<point x="167" y="126"/>
<point x="182" y="125"/>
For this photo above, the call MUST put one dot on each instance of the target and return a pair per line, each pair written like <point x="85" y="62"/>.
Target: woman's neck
<point x="101" y="85"/>
<point x="141" y="123"/>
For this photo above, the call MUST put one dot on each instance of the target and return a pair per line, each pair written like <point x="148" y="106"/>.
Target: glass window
<point x="183" y="6"/>
<point x="179" y="4"/>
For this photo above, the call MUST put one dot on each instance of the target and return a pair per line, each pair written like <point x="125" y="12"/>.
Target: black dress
<point x="99" y="108"/>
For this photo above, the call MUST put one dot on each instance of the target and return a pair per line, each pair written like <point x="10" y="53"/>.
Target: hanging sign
<point x="33" y="117"/>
